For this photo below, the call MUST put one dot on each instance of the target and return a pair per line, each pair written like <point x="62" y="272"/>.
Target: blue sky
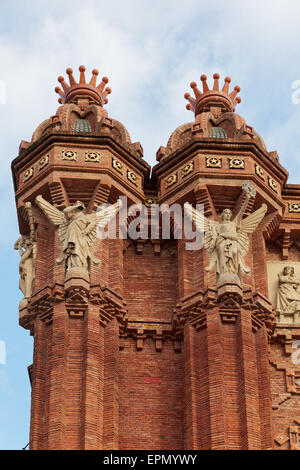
<point x="150" y="50"/>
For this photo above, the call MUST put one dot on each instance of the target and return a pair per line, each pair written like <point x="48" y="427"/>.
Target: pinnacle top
<point x="215" y="96"/>
<point x="69" y="93"/>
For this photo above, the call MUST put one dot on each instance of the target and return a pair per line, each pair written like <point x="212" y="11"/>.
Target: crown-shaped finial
<point x="213" y="96"/>
<point x="68" y="93"/>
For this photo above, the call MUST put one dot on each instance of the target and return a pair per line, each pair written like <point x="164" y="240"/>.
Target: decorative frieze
<point x="28" y="174"/>
<point x="213" y="162"/>
<point x="117" y="165"/>
<point x="237" y="163"/>
<point x="92" y="157"/>
<point x="187" y="169"/>
<point x="150" y="201"/>
<point x="273" y="184"/>
<point x="132" y="177"/>
<point x="294" y="207"/>
<point x="69" y="155"/>
<point x="43" y="162"/>
<point x="170" y="180"/>
<point x="260" y="172"/>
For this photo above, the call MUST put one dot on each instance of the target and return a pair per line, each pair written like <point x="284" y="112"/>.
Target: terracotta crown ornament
<point x="215" y="96"/>
<point x="82" y="89"/>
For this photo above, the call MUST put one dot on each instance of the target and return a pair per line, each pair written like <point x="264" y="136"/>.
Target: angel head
<point x="226" y="215"/>
<point x="288" y="271"/>
<point x="23" y="242"/>
<point x="71" y="211"/>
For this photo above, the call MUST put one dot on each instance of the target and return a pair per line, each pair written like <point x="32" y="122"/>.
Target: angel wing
<point x="56" y="216"/>
<point x="99" y="219"/>
<point x="248" y="226"/>
<point x="203" y="224"/>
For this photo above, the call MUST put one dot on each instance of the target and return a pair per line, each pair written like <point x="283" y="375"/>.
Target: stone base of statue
<point x="77" y="278"/>
<point x="288" y="318"/>
<point x="229" y="284"/>
<point x="23" y="303"/>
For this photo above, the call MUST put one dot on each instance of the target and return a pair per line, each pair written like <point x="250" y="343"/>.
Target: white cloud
<point x="151" y="51"/>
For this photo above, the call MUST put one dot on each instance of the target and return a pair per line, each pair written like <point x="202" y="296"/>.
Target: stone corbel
<point x="285" y="243"/>
<point x="100" y="195"/>
<point x="76" y="302"/>
<point x="202" y="196"/>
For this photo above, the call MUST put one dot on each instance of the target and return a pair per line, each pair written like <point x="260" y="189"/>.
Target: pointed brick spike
<point x="234" y="92"/>
<point x="101" y="85"/>
<point x="195" y="89"/>
<point x="69" y="71"/>
<point x="59" y="91"/>
<point x="225" y="88"/>
<point x="63" y="83"/>
<point x="203" y="79"/>
<point x="82" y="74"/>
<point x="95" y="73"/>
<point x="237" y="100"/>
<point x="107" y="91"/>
<point x="216" y="81"/>
<point x="192" y="100"/>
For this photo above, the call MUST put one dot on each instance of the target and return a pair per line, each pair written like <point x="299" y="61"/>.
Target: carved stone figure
<point x="228" y="241"/>
<point x="288" y="296"/>
<point x="77" y="231"/>
<point x="27" y="250"/>
<point x="27" y="247"/>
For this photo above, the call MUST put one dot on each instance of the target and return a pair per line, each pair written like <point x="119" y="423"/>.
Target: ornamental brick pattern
<point x="148" y="354"/>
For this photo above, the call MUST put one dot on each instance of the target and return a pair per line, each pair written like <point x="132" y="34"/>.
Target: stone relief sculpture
<point x="77" y="232"/>
<point x="288" y="296"/>
<point x="27" y="250"/>
<point x="228" y="241"/>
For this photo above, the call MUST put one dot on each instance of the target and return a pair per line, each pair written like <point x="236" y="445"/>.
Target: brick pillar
<point x="248" y="383"/>
<point x="264" y="388"/>
<point x="227" y="383"/>
<point x="111" y="387"/>
<point x="191" y="388"/>
<point x="215" y="356"/>
<point x="38" y="392"/>
<point x="92" y="381"/>
<point x="58" y="379"/>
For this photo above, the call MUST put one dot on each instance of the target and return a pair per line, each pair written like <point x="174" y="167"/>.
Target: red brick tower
<point x="148" y="350"/>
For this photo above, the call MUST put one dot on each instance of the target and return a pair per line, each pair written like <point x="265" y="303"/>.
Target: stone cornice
<point x="42" y="144"/>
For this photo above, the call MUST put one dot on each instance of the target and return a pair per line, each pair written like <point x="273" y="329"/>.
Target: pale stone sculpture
<point x="77" y="232"/>
<point x="288" y="296"/>
<point x="228" y="241"/>
<point x="27" y="249"/>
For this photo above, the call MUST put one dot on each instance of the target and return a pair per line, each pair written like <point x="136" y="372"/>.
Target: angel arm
<point x="249" y="192"/>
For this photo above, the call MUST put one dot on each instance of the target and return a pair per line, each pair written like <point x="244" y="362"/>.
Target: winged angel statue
<point x="77" y="231"/>
<point x="227" y="242"/>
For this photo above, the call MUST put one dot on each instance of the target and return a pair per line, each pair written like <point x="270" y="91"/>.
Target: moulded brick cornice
<point x="215" y="145"/>
<point x="50" y="139"/>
